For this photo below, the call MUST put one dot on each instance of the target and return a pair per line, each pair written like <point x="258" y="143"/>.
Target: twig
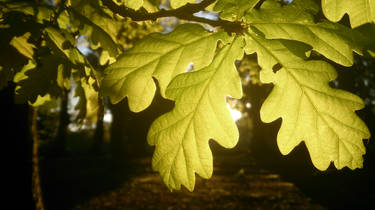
<point x="185" y="13"/>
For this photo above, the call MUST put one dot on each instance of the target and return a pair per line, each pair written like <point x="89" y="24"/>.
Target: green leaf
<point x="310" y="109"/>
<point x="101" y="29"/>
<point x="310" y="6"/>
<point x="88" y="99"/>
<point x="234" y="10"/>
<point x="41" y="13"/>
<point x="179" y="3"/>
<point x="41" y="100"/>
<point x="134" y="4"/>
<point x="40" y="81"/>
<point x="359" y="11"/>
<point x="63" y="44"/>
<point x="159" y="56"/>
<point x="181" y="136"/>
<point x="23" y="46"/>
<point x="365" y="34"/>
<point x="334" y="41"/>
<point x="63" y="76"/>
<point x="21" y="74"/>
<point x="11" y="62"/>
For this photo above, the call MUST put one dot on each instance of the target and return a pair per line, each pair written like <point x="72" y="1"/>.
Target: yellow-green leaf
<point x="334" y="41"/>
<point x="311" y="111"/>
<point x="23" y="46"/>
<point x="179" y="3"/>
<point x="101" y="29"/>
<point x="21" y="74"/>
<point x="234" y="10"/>
<point x="39" y="81"/>
<point x="159" y="56"/>
<point x="359" y="11"/>
<point x="181" y="136"/>
<point x="88" y="99"/>
<point x="42" y="13"/>
<point x="134" y="4"/>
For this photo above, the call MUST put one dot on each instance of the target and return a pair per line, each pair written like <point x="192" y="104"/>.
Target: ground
<point x="237" y="183"/>
<point x="248" y="187"/>
<point x="240" y="180"/>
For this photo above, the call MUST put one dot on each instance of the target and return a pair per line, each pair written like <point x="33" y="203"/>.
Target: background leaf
<point x="179" y="3"/>
<point x="40" y="80"/>
<point x="234" y="10"/>
<point x="23" y="46"/>
<point x="134" y="4"/>
<point x="359" y="11"/>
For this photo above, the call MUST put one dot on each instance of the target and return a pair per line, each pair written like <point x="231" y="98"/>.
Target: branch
<point x="185" y="13"/>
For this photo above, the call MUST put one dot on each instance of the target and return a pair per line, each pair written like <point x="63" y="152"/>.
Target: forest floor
<point x="242" y="186"/>
<point x="237" y="183"/>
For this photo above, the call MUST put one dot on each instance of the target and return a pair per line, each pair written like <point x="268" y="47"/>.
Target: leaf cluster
<point x="296" y="45"/>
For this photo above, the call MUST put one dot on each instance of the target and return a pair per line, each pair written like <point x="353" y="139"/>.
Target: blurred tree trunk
<point x="263" y="134"/>
<point x="15" y="137"/>
<point x="63" y="124"/>
<point x="36" y="186"/>
<point x="118" y="131"/>
<point x="99" y="130"/>
<point x="263" y="141"/>
<point x="129" y="130"/>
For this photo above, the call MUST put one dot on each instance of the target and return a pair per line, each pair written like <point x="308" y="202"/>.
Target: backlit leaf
<point x="334" y="41"/>
<point x="310" y="109"/>
<point x="134" y="4"/>
<point x="23" y="46"/>
<point x="359" y="11"/>
<point x="100" y="28"/>
<point x="234" y="10"/>
<point x="88" y="99"/>
<point x="40" y="81"/>
<point x="179" y="3"/>
<point x="181" y="136"/>
<point x="42" y="13"/>
<point x="159" y="56"/>
<point x="63" y="44"/>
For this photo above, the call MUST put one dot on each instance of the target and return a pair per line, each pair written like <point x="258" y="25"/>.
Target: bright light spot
<point x="190" y="67"/>
<point x="248" y="105"/>
<point x="73" y="127"/>
<point x="83" y="45"/>
<point x="247" y="78"/>
<point x="236" y="115"/>
<point x="107" y="117"/>
<point x="288" y="1"/>
<point x="207" y="15"/>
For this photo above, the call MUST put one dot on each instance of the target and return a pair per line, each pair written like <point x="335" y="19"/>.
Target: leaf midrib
<point x="194" y="112"/>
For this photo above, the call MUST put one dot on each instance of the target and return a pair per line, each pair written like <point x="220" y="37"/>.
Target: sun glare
<point x="236" y="115"/>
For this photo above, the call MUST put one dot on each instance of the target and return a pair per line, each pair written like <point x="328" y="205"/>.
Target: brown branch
<point x="185" y="13"/>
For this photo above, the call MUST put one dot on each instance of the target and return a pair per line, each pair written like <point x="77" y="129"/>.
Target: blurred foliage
<point x="39" y="49"/>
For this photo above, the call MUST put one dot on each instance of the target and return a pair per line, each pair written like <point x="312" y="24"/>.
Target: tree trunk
<point x="15" y="137"/>
<point x="129" y="130"/>
<point x="99" y="130"/>
<point x="118" y="131"/>
<point x="36" y="186"/>
<point x="64" y="122"/>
